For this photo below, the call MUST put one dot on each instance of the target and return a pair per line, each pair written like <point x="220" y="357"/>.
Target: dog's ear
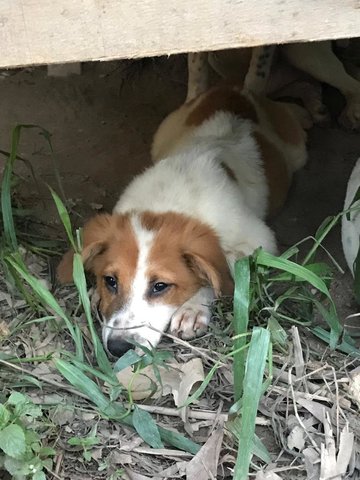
<point x="95" y="234"/>
<point x="204" y="255"/>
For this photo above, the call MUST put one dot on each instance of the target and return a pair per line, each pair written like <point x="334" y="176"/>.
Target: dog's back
<point x="275" y="135"/>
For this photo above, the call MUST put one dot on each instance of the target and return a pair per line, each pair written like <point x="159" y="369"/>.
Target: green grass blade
<point x="346" y="345"/>
<point x="48" y="301"/>
<point x="268" y="260"/>
<point x="146" y="427"/>
<point x="253" y="381"/>
<point x="6" y="208"/>
<point x="82" y="383"/>
<point x="80" y="282"/>
<point x="64" y="216"/>
<point x="241" y="319"/>
<point x="179" y="441"/>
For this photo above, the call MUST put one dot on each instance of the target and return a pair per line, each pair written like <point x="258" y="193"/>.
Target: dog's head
<point x="147" y="265"/>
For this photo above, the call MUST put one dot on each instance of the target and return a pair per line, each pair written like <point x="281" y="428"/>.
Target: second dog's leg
<point x="310" y="96"/>
<point x="198" y="74"/>
<point x="318" y="60"/>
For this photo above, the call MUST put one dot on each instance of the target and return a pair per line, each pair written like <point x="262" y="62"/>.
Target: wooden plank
<point x="60" y="31"/>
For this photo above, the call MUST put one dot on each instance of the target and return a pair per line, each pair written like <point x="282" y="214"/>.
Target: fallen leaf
<point x="328" y="453"/>
<point x="354" y="386"/>
<point x="204" y="465"/>
<point x="312" y="463"/>
<point x="296" y="439"/>
<point x="261" y="475"/>
<point x="346" y="450"/>
<point x="136" y="476"/>
<point x="4" y="329"/>
<point x="178" y="379"/>
<point x="118" y="458"/>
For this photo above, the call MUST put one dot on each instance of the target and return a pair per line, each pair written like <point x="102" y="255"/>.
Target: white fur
<point x="192" y="182"/>
<point x="138" y="316"/>
<point x="194" y="315"/>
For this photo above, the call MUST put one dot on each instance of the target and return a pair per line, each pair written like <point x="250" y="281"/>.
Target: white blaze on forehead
<point x="138" y="313"/>
<point x="144" y="239"/>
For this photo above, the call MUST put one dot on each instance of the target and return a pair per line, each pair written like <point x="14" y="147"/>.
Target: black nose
<point x="118" y="347"/>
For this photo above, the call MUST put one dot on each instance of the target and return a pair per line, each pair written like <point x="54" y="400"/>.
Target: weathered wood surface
<point x="59" y="31"/>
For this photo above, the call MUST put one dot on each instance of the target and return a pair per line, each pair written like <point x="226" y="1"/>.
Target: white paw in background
<point x="350" y="116"/>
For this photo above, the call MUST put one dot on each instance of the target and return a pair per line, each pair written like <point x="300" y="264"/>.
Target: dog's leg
<point x="198" y="74"/>
<point x="318" y="60"/>
<point x="310" y="96"/>
<point x="259" y="70"/>
<point x="191" y="319"/>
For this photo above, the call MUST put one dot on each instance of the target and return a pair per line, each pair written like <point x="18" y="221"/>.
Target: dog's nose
<point x="118" y="347"/>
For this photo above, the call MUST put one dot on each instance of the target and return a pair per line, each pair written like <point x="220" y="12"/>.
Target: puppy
<point x="222" y="162"/>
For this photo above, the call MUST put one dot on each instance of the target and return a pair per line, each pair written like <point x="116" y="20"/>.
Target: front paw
<point x="350" y="117"/>
<point x="190" y="321"/>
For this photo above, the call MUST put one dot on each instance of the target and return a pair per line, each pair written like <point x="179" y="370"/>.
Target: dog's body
<point x="223" y="161"/>
<point x="295" y="72"/>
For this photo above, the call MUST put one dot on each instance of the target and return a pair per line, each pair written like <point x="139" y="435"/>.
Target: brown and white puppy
<point x="222" y="162"/>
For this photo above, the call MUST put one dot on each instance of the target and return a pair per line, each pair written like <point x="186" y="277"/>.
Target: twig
<point x="55" y="475"/>
<point x="184" y="343"/>
<point x="195" y="414"/>
<point x="159" y="451"/>
<point x="298" y="416"/>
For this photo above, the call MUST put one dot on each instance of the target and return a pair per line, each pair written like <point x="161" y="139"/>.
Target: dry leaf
<point x="298" y="354"/>
<point x="4" y="329"/>
<point x="204" y="465"/>
<point x="178" y="380"/>
<point x="312" y="463"/>
<point x="267" y="475"/>
<point x="118" y="458"/>
<point x="346" y="450"/>
<point x="328" y="453"/>
<point x="129" y="475"/>
<point x="354" y="386"/>
<point x="296" y="439"/>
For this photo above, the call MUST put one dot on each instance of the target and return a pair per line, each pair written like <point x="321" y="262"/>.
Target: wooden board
<point x="59" y="31"/>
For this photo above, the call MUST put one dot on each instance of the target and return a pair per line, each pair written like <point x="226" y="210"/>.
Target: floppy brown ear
<point x="95" y="233"/>
<point x="206" y="258"/>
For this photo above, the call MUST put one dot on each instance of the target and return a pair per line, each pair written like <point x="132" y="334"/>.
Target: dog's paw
<point x="320" y="114"/>
<point x="190" y="321"/>
<point x="350" y="116"/>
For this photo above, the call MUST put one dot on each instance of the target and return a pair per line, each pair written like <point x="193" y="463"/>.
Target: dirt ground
<point x="102" y="124"/>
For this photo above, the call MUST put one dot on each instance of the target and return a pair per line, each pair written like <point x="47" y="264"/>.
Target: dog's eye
<point x="111" y="283"/>
<point x="159" y="288"/>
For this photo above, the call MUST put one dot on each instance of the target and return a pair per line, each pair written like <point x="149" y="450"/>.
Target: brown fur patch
<point x="186" y="254"/>
<point x="282" y="121"/>
<point x="276" y="172"/>
<point x="109" y="249"/>
<point x="226" y="99"/>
